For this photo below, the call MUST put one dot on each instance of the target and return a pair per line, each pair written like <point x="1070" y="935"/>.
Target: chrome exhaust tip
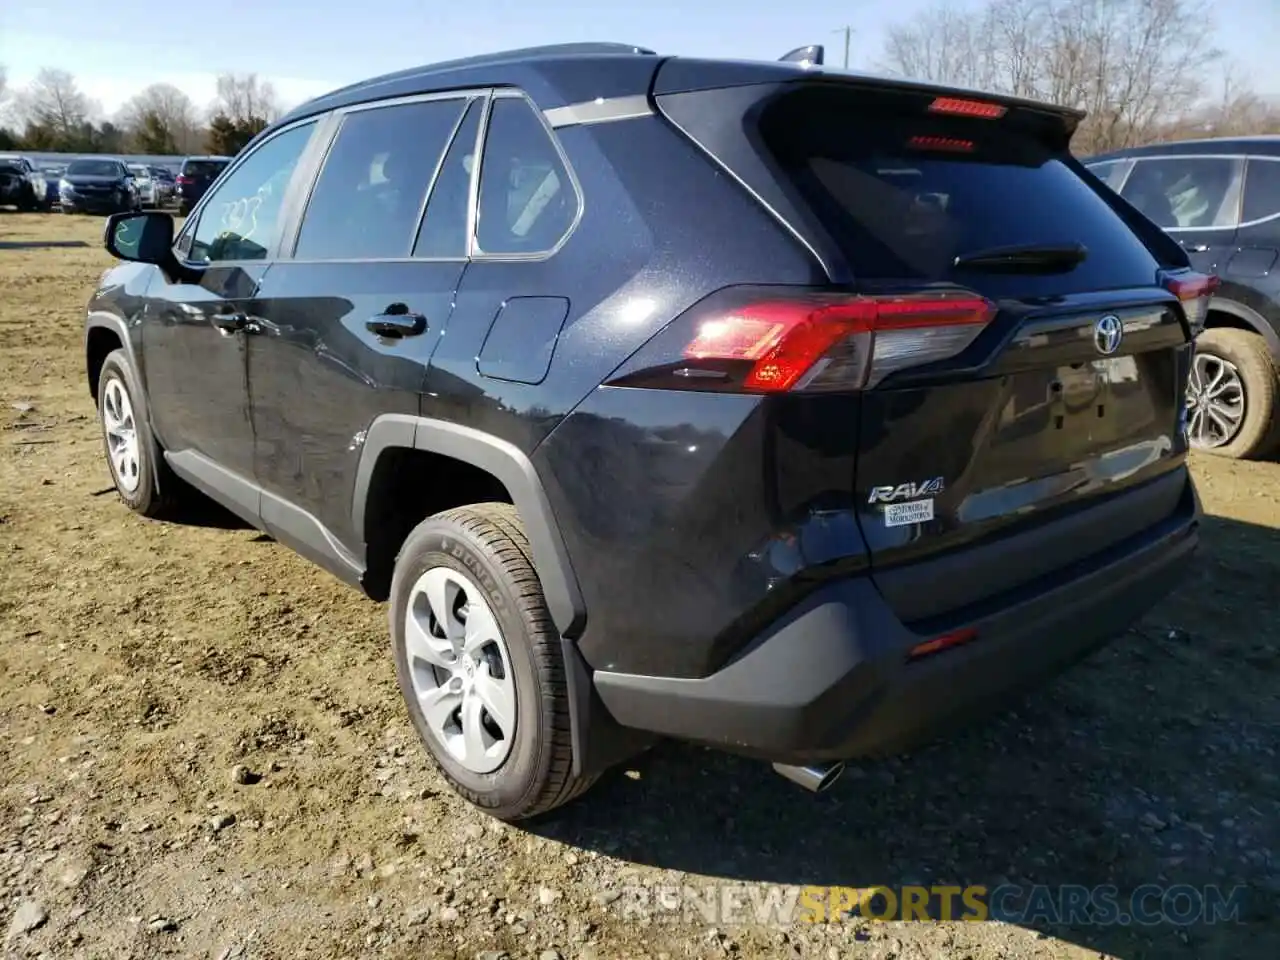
<point x="814" y="779"/>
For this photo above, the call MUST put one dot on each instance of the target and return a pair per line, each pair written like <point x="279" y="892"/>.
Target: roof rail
<point x="810" y="56"/>
<point x="497" y="56"/>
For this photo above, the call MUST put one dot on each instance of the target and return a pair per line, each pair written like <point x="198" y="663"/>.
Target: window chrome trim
<point x="473" y="188"/>
<point x="473" y="251"/>
<point x="599" y="110"/>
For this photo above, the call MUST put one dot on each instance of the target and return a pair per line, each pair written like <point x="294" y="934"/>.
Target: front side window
<point x="369" y="195"/>
<point x="1186" y="192"/>
<point x="527" y="202"/>
<point x="241" y="217"/>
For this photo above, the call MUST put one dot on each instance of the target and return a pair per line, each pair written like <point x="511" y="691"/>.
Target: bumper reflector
<point x="936" y="644"/>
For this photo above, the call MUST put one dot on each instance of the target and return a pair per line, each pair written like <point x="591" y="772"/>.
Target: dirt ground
<point x="142" y="662"/>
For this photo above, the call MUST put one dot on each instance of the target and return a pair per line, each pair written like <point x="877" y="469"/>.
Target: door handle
<point x="395" y="324"/>
<point x="1196" y="247"/>
<point x="230" y="322"/>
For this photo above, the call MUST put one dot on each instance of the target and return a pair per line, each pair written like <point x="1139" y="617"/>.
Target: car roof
<point x="1262" y="145"/>
<point x="570" y="73"/>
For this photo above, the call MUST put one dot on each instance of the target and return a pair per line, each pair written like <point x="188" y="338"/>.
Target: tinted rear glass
<point x="904" y="192"/>
<point x="203" y="168"/>
<point x="10" y="168"/>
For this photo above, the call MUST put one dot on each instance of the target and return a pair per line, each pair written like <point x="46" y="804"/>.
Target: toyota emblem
<point x="1107" y="334"/>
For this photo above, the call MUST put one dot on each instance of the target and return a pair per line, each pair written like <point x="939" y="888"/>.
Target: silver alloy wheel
<point x="122" y="435"/>
<point x="1215" y="401"/>
<point x="460" y="669"/>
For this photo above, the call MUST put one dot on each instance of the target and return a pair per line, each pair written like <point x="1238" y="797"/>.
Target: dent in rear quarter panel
<point x="695" y="519"/>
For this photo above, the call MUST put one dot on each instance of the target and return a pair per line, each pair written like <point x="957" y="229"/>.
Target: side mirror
<point x="145" y="237"/>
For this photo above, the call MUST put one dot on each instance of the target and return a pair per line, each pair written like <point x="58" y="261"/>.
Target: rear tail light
<point x="815" y="342"/>
<point x="1195" y="290"/>
<point x="183" y="178"/>
<point x="968" y="108"/>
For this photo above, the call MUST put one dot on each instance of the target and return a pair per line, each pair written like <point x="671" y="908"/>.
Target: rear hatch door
<point x="1070" y="396"/>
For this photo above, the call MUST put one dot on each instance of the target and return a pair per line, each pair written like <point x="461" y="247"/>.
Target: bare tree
<point x="1131" y="64"/>
<point x="162" y="114"/>
<point x="54" y="103"/>
<point x="244" y="98"/>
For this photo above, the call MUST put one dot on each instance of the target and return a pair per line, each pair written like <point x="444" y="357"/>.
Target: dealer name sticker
<point x="904" y="514"/>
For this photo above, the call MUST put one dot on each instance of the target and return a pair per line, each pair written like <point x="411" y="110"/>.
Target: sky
<point x="115" y="49"/>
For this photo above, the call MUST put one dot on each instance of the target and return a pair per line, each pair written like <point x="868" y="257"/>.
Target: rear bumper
<point x="831" y="680"/>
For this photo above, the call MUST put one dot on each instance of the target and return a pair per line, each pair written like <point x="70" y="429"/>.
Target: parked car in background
<point x="164" y="180"/>
<point x="97" y="185"/>
<point x="21" y="184"/>
<point x="1220" y="199"/>
<point x="148" y="195"/>
<point x="194" y="178"/>
<point x="656" y="404"/>
<point x="52" y="173"/>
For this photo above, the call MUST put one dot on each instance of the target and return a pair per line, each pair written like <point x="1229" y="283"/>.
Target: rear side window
<point x="1186" y="192"/>
<point x="443" y="233"/>
<point x="527" y="202"/>
<point x="369" y="195"/>
<point x="904" y="192"/>
<point x="1261" y="190"/>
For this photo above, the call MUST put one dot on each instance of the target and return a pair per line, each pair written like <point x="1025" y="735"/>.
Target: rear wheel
<point x="1231" y="396"/>
<point x="479" y="664"/>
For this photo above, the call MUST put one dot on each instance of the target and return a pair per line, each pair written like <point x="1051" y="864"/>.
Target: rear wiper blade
<point x="1027" y="258"/>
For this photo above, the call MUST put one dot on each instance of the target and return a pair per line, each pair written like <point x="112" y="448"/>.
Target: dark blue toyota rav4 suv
<point x="782" y="409"/>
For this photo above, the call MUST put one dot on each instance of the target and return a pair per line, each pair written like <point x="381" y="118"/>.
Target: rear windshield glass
<point x="904" y="192"/>
<point x="93" y="168"/>
<point x="7" y="167"/>
<point x="203" y="168"/>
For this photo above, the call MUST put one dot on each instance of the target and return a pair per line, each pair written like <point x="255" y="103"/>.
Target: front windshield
<point x="93" y="168"/>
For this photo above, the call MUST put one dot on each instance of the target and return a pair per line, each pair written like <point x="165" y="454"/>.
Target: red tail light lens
<point x="183" y="178"/>
<point x="1195" y="290"/>
<point x="813" y="342"/>
<point x="968" y="108"/>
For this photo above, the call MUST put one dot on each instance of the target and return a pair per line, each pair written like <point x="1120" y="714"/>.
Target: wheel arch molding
<point x="512" y="468"/>
<point x="1251" y="320"/>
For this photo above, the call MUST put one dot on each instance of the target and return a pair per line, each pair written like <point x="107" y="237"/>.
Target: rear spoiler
<point x="686" y="75"/>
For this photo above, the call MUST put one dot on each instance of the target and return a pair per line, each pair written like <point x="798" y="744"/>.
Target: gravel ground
<point x="203" y="754"/>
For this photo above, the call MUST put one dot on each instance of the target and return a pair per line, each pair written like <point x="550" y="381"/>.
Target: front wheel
<point x="1231" y="395"/>
<point x="142" y="479"/>
<point x="479" y="664"/>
